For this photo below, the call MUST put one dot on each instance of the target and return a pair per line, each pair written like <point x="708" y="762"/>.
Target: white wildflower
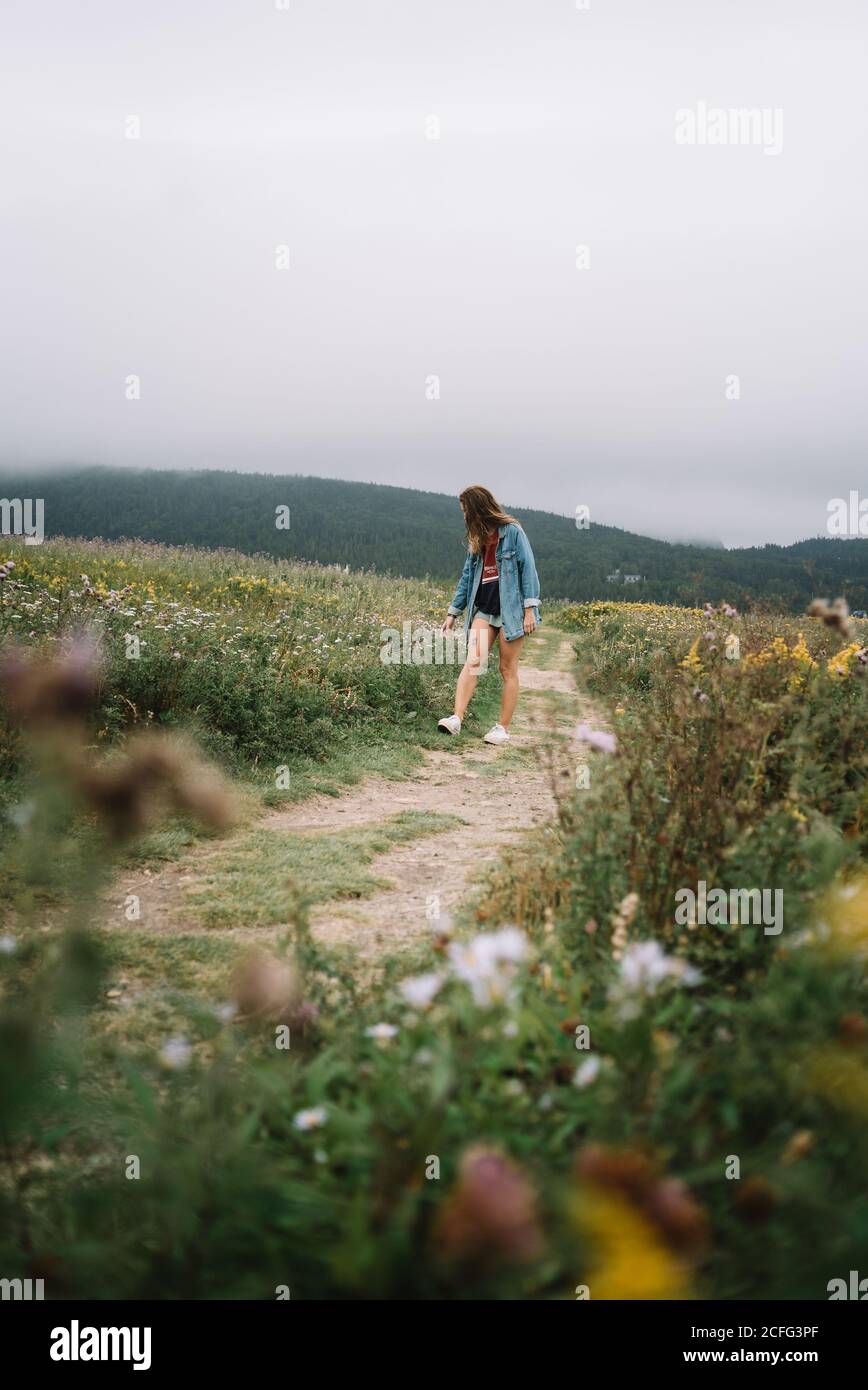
<point x="488" y="963"/>
<point x="310" y="1119"/>
<point x="587" y="1073"/>
<point x="419" y="990"/>
<point x="381" y="1032"/>
<point x="643" y="968"/>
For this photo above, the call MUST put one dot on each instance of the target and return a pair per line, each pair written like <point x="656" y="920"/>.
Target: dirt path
<point x="496" y="792"/>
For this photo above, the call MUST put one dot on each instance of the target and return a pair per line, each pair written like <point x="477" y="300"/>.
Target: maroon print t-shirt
<point x="488" y="593"/>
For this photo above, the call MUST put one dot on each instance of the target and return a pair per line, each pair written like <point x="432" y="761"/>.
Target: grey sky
<point x="456" y="257"/>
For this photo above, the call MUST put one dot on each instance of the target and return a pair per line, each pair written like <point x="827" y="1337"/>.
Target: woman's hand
<point x="449" y="623"/>
<point x="529" y="621"/>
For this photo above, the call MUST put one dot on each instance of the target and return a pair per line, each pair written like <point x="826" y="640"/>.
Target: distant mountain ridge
<point x="407" y="532"/>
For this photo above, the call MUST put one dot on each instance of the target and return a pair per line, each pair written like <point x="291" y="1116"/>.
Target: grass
<point x="159" y="981"/>
<point x="259" y="879"/>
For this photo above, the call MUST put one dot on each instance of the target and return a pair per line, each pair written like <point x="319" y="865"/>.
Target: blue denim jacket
<point x="519" y="583"/>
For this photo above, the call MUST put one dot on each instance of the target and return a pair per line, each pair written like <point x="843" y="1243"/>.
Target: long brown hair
<point x="482" y="512"/>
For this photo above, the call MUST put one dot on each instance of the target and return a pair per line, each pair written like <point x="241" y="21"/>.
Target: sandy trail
<point x="498" y="793"/>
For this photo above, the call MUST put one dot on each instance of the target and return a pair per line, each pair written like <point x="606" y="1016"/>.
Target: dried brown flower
<point x="490" y="1215"/>
<point x="835" y="615"/>
<point x="267" y="987"/>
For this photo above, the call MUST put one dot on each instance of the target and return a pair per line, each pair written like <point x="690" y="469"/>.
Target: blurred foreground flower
<point x="622" y="920"/>
<point x="264" y="986"/>
<point x="835" y="615"/>
<point x="644" y="967"/>
<point x="40" y="693"/>
<point x="419" y="990"/>
<point x="645" y="1230"/>
<point x="129" y="791"/>
<point x="597" y="738"/>
<point x="489" y="962"/>
<point x="310" y="1119"/>
<point x="51" y="699"/>
<point x="490" y="1215"/>
<point x="382" y="1032"/>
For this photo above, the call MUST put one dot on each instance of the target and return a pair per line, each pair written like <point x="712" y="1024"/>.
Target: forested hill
<point x="403" y="531"/>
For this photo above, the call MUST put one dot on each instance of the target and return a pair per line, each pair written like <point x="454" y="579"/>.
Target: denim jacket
<point x="519" y="583"/>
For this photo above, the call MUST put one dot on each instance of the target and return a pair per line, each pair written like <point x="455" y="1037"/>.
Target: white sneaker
<point x="497" y="735"/>
<point x="450" y="725"/>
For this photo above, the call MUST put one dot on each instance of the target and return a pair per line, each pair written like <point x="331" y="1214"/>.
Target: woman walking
<point x="499" y="594"/>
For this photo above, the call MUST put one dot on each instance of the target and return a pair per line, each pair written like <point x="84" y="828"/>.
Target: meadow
<point x="269" y="664"/>
<point x="563" y="1092"/>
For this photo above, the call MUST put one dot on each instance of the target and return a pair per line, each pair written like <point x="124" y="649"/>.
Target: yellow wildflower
<point x="630" y="1261"/>
<point x="692" y="660"/>
<point x="838" y="666"/>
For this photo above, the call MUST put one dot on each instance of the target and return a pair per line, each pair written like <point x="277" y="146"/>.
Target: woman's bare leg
<point x="509" y="655"/>
<point x="480" y="641"/>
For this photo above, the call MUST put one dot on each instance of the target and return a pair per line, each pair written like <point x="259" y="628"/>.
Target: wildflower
<point x="45" y="693"/>
<point x="621" y="921"/>
<point x="644" y="968"/>
<point x="306" y="1120"/>
<point x="597" y="738"/>
<point x="176" y="1053"/>
<point x="264" y="986"/>
<point x="839" y="665"/>
<point x="619" y="940"/>
<point x="644" y="1229"/>
<point x="124" y="791"/>
<point x="836" y="615"/>
<point x="382" y="1032"/>
<point x="419" y="990"/>
<point x="488" y="963"/>
<point x="8" y="944"/>
<point x="800" y="653"/>
<point x="587" y="1072"/>
<point x="490" y="1214"/>
<point x="631" y="1262"/>
<point x="693" y="661"/>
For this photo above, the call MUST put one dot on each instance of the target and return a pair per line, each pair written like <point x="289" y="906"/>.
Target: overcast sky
<point x="412" y="257"/>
